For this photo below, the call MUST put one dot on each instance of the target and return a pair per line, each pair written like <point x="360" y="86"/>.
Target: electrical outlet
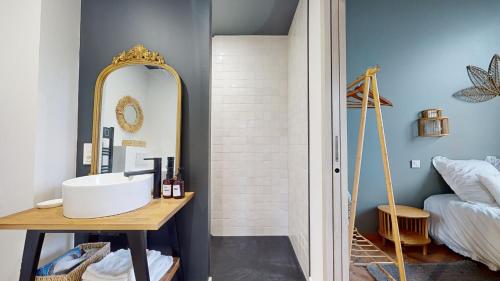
<point x="87" y="153"/>
<point x="415" y="164"/>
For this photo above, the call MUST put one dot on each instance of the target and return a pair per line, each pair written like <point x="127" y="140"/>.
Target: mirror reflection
<point x="130" y="114"/>
<point x="139" y="118"/>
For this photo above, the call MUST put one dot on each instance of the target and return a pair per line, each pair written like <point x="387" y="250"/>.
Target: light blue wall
<point x="423" y="48"/>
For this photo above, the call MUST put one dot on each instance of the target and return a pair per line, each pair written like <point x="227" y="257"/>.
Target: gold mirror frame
<point x="138" y="55"/>
<point x="120" y="114"/>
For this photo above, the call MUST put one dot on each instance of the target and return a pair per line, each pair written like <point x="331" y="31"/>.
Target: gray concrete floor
<point x="254" y="258"/>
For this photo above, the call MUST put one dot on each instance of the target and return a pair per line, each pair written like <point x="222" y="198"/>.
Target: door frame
<point x="339" y="196"/>
<point x="328" y="141"/>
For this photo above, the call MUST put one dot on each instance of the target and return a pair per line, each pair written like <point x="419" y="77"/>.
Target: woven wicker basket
<point x="76" y="274"/>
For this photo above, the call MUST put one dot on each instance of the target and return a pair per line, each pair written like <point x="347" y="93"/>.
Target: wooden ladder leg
<point x="359" y="156"/>
<point x="388" y="179"/>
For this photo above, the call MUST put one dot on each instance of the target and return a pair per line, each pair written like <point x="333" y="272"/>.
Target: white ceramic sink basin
<point x="105" y="195"/>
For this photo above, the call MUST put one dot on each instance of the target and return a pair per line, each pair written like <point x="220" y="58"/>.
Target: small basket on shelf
<point x="432" y="123"/>
<point x="77" y="272"/>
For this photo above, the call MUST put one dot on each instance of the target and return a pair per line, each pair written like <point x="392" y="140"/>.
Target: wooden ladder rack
<point x="370" y="98"/>
<point x="364" y="252"/>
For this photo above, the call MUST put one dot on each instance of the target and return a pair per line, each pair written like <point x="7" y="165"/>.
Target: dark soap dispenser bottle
<point x="169" y="180"/>
<point x="178" y="186"/>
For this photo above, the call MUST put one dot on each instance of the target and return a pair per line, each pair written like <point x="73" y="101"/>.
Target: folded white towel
<point x="160" y="267"/>
<point x="117" y="266"/>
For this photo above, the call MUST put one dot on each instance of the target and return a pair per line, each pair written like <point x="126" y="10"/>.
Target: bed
<point x="470" y="229"/>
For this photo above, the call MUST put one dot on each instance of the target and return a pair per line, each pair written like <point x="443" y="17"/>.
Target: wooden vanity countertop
<point x="149" y="217"/>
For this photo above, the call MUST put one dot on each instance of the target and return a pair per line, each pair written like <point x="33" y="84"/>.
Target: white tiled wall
<point x="249" y="136"/>
<point x="298" y="220"/>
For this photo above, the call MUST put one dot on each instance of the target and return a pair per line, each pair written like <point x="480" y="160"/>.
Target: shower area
<point x="259" y="145"/>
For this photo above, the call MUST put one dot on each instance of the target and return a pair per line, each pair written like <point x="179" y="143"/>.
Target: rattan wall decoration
<point x="134" y="125"/>
<point x="486" y="84"/>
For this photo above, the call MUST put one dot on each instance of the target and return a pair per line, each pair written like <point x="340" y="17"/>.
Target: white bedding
<point x="470" y="229"/>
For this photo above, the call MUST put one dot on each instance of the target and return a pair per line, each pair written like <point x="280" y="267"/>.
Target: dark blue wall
<point x="423" y="48"/>
<point x="180" y="30"/>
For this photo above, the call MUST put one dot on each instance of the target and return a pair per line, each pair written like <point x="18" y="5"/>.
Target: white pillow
<point x="462" y="177"/>
<point x="493" y="160"/>
<point x="492" y="183"/>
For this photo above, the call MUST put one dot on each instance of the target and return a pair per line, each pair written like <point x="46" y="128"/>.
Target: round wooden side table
<point x="413" y="225"/>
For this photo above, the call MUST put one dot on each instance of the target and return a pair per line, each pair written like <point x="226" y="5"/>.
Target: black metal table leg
<point x="180" y="272"/>
<point x="31" y="254"/>
<point x="137" y="244"/>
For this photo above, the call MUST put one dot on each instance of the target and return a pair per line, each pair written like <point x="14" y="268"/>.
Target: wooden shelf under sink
<point x="149" y="217"/>
<point x="133" y="225"/>
<point x="172" y="271"/>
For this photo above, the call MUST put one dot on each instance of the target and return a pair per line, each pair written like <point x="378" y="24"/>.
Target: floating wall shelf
<point x="432" y="123"/>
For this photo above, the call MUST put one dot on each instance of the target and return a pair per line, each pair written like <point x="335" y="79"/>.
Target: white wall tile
<point x="249" y="135"/>
<point x="298" y="137"/>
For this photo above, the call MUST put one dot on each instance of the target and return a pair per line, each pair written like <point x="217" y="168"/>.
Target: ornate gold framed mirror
<point x="137" y="112"/>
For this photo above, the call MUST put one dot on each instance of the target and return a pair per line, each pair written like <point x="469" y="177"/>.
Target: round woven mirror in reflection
<point x="129" y="114"/>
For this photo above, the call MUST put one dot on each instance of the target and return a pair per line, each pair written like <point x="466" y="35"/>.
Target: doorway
<point x="259" y="141"/>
